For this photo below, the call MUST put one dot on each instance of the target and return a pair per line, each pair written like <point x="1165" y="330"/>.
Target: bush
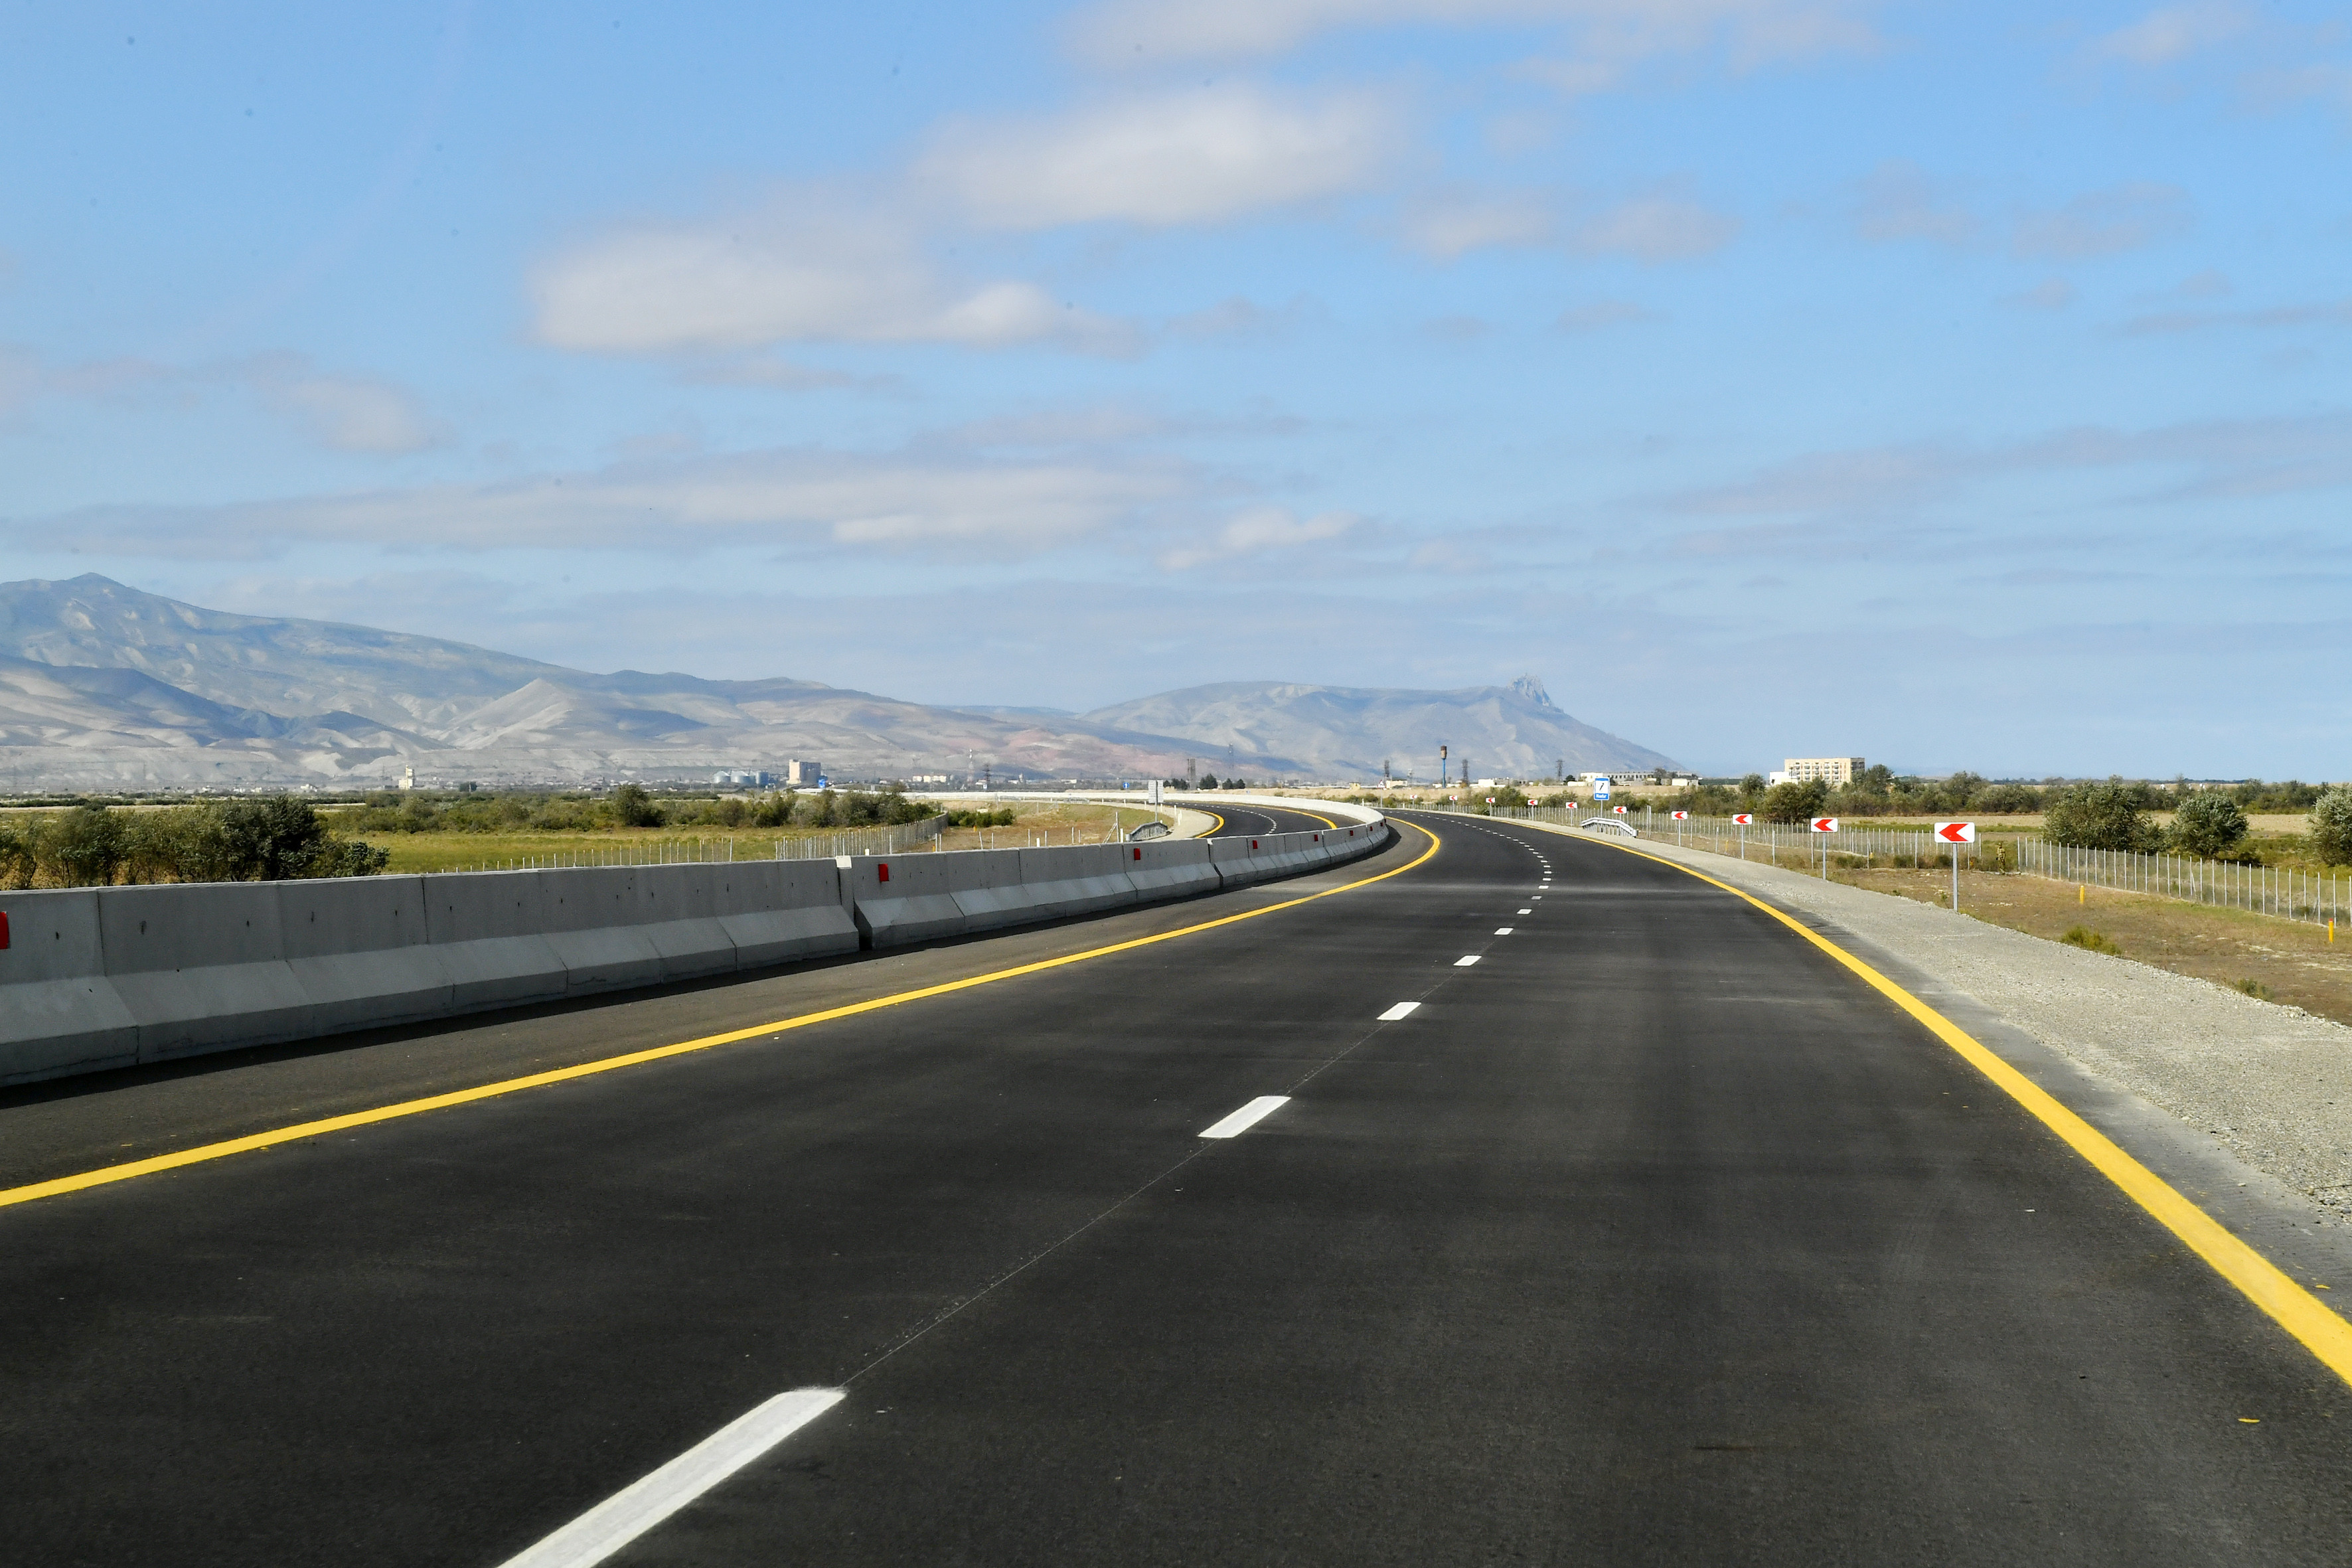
<point x="2257" y="990"/>
<point x="632" y="807"/>
<point x="16" y="858"/>
<point x="2331" y="827"/>
<point x="2007" y="799"/>
<point x="1794" y="801"/>
<point x="2090" y="941"/>
<point x="2208" y="824"/>
<point x="80" y="848"/>
<point x="2110" y="815"/>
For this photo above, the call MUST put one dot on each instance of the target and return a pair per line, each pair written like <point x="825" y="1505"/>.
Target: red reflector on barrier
<point x="1138" y="852"/>
<point x="1253" y="843"/>
<point x="885" y="869"/>
<point x="3" y="929"/>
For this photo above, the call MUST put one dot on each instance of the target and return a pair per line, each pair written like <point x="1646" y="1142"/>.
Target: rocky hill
<point x="104" y="686"/>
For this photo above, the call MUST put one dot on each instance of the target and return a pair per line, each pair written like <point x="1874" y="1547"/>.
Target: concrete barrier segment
<point x="358" y="948"/>
<point x="201" y="967"/>
<point x="1076" y="879"/>
<point x="900" y="898"/>
<point x="489" y="929"/>
<point x="784" y="910"/>
<point x="1170" y="869"/>
<point x="58" y="1012"/>
<point x="988" y="888"/>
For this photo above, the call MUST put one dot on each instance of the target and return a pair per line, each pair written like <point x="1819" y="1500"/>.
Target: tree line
<point x="265" y="840"/>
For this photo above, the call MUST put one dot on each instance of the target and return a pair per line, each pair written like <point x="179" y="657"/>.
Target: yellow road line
<point x="2256" y="1277"/>
<point x="106" y="1175"/>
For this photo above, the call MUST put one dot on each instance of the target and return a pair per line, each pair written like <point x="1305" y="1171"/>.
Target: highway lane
<point x="1647" y="1237"/>
<point x="1244" y="820"/>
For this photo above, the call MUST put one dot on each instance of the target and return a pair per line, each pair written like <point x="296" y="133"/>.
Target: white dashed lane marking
<point x="1247" y="1117"/>
<point x="1398" y="1011"/>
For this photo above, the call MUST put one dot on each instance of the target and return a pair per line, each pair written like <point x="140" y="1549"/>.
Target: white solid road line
<point x="1248" y="1116"/>
<point x="1502" y="931"/>
<point x="637" y="1508"/>
<point x="1465" y="962"/>
<point x="1398" y="1011"/>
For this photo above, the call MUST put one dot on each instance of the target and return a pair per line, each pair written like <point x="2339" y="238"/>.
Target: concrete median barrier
<point x="900" y="898"/>
<point x="779" y="911"/>
<point x="1169" y="868"/>
<point x="359" y="949"/>
<point x="489" y="931"/>
<point x="987" y="888"/>
<point x="1076" y="879"/>
<point x="93" y="978"/>
<point x="58" y="1012"/>
<point x="202" y="968"/>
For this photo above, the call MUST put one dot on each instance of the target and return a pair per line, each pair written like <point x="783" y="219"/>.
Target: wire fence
<point x="721" y="850"/>
<point x="2321" y="897"/>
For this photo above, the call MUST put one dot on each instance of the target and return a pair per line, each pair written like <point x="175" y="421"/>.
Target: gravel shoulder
<point x="2251" y="1090"/>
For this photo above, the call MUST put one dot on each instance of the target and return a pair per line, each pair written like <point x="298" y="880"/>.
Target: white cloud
<point x="1198" y="156"/>
<point x="1257" y="532"/>
<point x="2103" y="222"/>
<point x="800" y="274"/>
<point x="1603" y="313"/>
<point x="2167" y="35"/>
<point x="1449" y="224"/>
<point x="1156" y="32"/>
<point x="783" y="499"/>
<point x="1898" y="201"/>
<point x="1658" y="228"/>
<point x="350" y="413"/>
<point x="346" y="413"/>
<point x="2049" y="294"/>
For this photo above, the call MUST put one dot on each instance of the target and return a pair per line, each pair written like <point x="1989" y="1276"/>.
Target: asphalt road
<point x="1649" y="1238"/>
<point x="1242" y="820"/>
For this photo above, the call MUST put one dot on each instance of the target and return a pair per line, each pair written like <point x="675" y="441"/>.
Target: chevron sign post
<point x="1743" y="818"/>
<point x="1680" y="817"/>
<point x="1957" y="833"/>
<point x="1825" y="825"/>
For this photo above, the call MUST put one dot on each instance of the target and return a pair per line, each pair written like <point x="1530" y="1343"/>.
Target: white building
<point x="1833" y="770"/>
<point x="802" y="772"/>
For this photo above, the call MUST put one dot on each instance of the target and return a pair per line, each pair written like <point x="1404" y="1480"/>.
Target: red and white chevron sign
<point x="1825" y="825"/>
<point x="1682" y="816"/>
<point x="1618" y="809"/>
<point x="1957" y="832"/>
<point x="1744" y="819"/>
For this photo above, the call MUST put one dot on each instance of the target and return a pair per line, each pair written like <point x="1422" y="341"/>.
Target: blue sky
<point x="1959" y="386"/>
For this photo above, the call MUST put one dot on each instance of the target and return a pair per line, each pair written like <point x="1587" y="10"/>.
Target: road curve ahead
<point x="1241" y="821"/>
<point x="1538" y="1203"/>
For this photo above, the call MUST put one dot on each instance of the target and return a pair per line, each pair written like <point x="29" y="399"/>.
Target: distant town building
<point x="408" y="778"/>
<point x="802" y="773"/>
<point x="726" y="777"/>
<point x="1828" y="769"/>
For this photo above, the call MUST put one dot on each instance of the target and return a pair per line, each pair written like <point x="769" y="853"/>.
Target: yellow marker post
<point x="2083" y="894"/>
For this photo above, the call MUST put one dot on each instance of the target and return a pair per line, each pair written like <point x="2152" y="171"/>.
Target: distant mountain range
<point x="102" y="686"/>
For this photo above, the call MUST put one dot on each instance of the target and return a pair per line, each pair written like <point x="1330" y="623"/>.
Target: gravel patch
<point x="2272" y="1083"/>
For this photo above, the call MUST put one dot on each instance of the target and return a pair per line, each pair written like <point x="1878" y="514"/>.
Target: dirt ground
<point x="2292" y="960"/>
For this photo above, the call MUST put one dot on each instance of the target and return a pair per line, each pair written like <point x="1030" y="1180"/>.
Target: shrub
<point x="632" y="807"/>
<point x="2331" y="827"/>
<point x="2257" y="990"/>
<point x="2090" y="941"/>
<point x="2208" y="824"/>
<point x="2007" y="799"/>
<point x="1794" y="801"/>
<point x="16" y="858"/>
<point x="80" y="848"/>
<point x="2109" y="815"/>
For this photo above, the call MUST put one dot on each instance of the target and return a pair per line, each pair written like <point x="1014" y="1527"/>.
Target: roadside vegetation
<point x="256" y="841"/>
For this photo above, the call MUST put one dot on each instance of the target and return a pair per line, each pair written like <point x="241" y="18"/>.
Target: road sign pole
<point x="1956" y="876"/>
